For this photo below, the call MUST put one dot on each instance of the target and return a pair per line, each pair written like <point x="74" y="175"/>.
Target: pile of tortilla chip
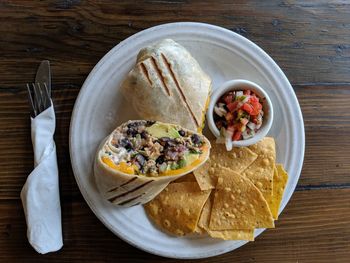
<point x="228" y="197"/>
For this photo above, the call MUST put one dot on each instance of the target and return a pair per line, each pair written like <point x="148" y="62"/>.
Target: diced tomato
<point x="253" y="99"/>
<point x="237" y="126"/>
<point x="237" y="136"/>
<point x="247" y="107"/>
<point x="232" y="106"/>
<point x="246" y="92"/>
<point x="229" y="116"/>
<point x="228" y="98"/>
<point x="256" y="109"/>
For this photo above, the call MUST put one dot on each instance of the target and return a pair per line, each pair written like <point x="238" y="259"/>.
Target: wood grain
<point x="325" y="108"/>
<point x="296" y="238"/>
<point x="309" y="41"/>
<point x="75" y="34"/>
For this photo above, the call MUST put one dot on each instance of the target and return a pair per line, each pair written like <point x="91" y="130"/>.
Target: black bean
<point x="164" y="141"/>
<point x="171" y="154"/>
<point x="196" y="139"/>
<point x="182" y="133"/>
<point x="160" y="159"/>
<point x="135" y="124"/>
<point x="140" y="159"/>
<point x="131" y="132"/>
<point x="144" y="135"/>
<point x="125" y="143"/>
<point x="150" y="123"/>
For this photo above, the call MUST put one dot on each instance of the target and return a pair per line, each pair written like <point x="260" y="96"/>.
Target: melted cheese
<point x="122" y="166"/>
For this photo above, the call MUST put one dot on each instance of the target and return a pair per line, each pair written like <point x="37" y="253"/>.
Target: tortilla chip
<point x="177" y="208"/>
<point x="280" y="179"/>
<point x="203" y="221"/>
<point x="260" y="172"/>
<point x="205" y="177"/>
<point x="247" y="234"/>
<point x="237" y="160"/>
<point x="186" y="178"/>
<point x="238" y="204"/>
<point x="199" y="230"/>
<point x="203" y="224"/>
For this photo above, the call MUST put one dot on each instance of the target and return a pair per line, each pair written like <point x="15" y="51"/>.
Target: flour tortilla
<point x="167" y="84"/>
<point x="128" y="190"/>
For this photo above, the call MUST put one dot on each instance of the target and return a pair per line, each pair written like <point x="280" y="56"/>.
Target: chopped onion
<point x="219" y="111"/>
<point x="228" y="140"/>
<point x="228" y="145"/>
<point x="239" y="93"/>
<point x="258" y="126"/>
<point x="221" y="105"/>
<point x="247" y="97"/>
<point x="251" y="125"/>
<point x="246" y="135"/>
<point x="259" y="118"/>
<point x="244" y="121"/>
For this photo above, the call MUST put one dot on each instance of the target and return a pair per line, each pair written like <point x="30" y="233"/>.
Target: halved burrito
<point x="167" y="84"/>
<point x="140" y="158"/>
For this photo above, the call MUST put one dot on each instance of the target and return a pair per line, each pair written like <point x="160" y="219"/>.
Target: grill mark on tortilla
<point x="123" y="184"/>
<point x="159" y="73"/>
<point x="177" y="84"/>
<point x="145" y="72"/>
<point x="112" y="199"/>
<point x="131" y="199"/>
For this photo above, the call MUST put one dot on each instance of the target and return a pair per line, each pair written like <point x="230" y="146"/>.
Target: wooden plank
<point x="313" y="228"/>
<point x="326" y="112"/>
<point x="310" y="41"/>
<point x="327" y="123"/>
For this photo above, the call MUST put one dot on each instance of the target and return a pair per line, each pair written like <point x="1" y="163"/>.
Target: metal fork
<point x="39" y="97"/>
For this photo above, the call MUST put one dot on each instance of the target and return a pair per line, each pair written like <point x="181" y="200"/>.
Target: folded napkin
<point x="40" y="194"/>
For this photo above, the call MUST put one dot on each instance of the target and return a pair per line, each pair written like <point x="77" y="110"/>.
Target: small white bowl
<point x="241" y="84"/>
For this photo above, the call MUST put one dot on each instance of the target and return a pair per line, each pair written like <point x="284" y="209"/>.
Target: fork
<point x="39" y="97"/>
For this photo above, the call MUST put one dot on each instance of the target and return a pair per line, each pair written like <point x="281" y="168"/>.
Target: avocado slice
<point x="190" y="158"/>
<point x="160" y="130"/>
<point x="187" y="160"/>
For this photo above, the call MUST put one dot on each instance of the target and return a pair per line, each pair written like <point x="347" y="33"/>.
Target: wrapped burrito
<point x="140" y="158"/>
<point x="167" y="84"/>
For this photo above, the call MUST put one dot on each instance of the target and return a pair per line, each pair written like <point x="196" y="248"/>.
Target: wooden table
<point x="309" y="41"/>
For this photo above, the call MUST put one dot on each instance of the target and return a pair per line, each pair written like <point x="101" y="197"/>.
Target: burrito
<point x="167" y="84"/>
<point x="140" y="158"/>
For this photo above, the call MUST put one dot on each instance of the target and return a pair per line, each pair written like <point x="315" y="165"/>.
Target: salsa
<point x="238" y="115"/>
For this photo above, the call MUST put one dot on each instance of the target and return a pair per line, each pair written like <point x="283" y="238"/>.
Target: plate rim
<point x="119" y="46"/>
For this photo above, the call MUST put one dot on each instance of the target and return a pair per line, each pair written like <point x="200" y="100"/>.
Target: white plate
<point x="100" y="107"/>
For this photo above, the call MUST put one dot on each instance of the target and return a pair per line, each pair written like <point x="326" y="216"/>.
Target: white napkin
<point x="40" y="194"/>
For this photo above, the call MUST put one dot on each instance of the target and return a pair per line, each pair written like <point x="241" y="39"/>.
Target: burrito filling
<point x="153" y="149"/>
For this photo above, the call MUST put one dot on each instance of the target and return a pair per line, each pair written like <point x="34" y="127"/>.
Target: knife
<point x="43" y="75"/>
